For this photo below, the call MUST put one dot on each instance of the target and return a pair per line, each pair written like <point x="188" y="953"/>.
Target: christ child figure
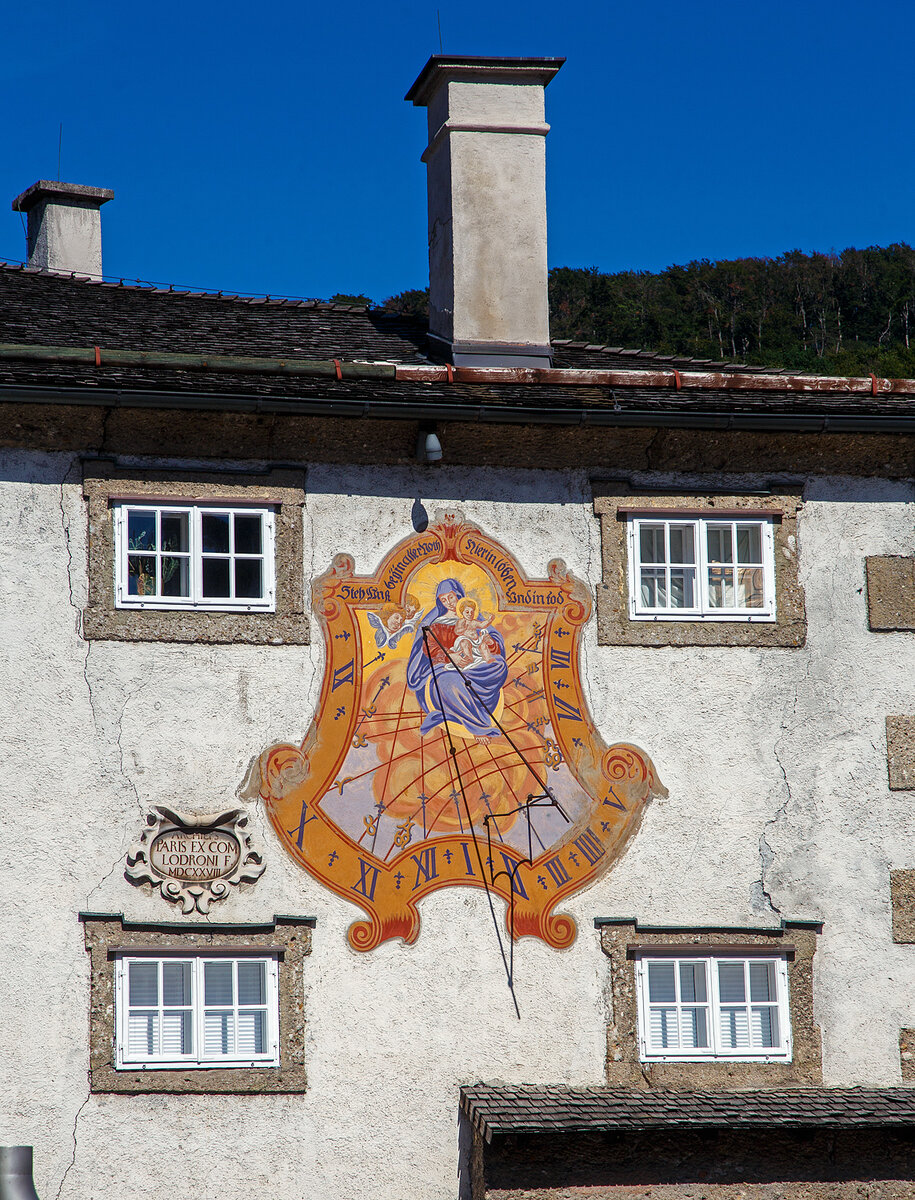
<point x="473" y="627"/>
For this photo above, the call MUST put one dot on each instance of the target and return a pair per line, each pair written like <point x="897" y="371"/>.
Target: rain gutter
<point x="439" y="409"/>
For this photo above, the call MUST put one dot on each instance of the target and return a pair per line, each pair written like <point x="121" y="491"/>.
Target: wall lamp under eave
<point x="428" y="447"/>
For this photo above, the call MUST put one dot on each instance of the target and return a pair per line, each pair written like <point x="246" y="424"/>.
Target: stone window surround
<point x="108" y="934"/>
<point x="614" y="500"/>
<point x="104" y="480"/>
<point x="621" y="939"/>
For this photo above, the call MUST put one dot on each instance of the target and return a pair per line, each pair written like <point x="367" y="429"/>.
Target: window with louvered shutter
<point x="196" y="1011"/>
<point x="713" y="1007"/>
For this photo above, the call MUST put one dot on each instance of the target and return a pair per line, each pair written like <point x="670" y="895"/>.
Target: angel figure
<point x="392" y="623"/>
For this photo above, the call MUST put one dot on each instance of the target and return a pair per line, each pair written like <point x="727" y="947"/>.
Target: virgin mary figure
<point x="450" y="681"/>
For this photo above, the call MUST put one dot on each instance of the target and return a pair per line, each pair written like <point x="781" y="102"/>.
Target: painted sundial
<point x="452" y="743"/>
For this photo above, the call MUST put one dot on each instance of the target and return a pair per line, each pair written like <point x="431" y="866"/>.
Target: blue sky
<point x="268" y="148"/>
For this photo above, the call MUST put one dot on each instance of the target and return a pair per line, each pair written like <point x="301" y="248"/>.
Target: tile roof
<point x="497" y="1109"/>
<point x="49" y="310"/>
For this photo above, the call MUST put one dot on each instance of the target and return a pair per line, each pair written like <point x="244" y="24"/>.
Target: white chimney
<point x="64" y="226"/>
<point x="486" y="168"/>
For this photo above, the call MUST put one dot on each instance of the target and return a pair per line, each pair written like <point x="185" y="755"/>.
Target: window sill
<point x="714" y="1058"/>
<point x="707" y="618"/>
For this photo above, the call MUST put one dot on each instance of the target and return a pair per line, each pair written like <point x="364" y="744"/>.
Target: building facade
<point x="339" y="649"/>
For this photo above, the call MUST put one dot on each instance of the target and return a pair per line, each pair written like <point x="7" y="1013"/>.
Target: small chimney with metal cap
<point x="486" y="169"/>
<point x="16" y="1173"/>
<point x="64" y="226"/>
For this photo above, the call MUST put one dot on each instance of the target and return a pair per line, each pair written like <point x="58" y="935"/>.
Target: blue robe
<point x="447" y="694"/>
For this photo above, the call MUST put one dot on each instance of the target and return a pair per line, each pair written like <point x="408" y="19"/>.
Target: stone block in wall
<point x="907" y="1054"/>
<point x="900" y="752"/>
<point x="902" y="897"/>
<point x="890" y="592"/>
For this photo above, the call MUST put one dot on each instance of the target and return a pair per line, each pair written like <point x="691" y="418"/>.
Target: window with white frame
<point x="707" y="568"/>
<point x="194" y="556"/>
<point x="196" y="1011"/>
<point x="713" y="1007"/>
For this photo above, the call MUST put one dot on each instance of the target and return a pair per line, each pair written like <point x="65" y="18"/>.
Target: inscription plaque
<point x="194" y="858"/>
<point x="179" y="855"/>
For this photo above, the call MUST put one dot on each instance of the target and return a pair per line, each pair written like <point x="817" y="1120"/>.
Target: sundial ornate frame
<point x="452" y="743"/>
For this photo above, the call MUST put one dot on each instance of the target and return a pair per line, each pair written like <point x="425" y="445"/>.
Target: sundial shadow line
<point x="520" y="805"/>
<point x="492" y="909"/>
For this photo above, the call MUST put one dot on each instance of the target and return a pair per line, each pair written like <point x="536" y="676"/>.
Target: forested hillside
<point x="846" y="313"/>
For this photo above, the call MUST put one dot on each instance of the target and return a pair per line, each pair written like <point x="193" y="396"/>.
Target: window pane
<point x="141" y="1034"/>
<point x="653" y="592"/>
<point x="252" y="983"/>
<point x="735" y="1030"/>
<point x="764" y="1027"/>
<point x="750" y="587"/>
<point x="719" y="544"/>
<point x="248" y="578"/>
<point x="141" y="530"/>
<point x="174" y="532"/>
<point x="682" y="544"/>
<point x="216" y="577"/>
<point x="762" y="981"/>
<point x="663" y="1029"/>
<point x="721" y="587"/>
<point x="215" y="529"/>
<point x="651" y="543"/>
<point x="731" y="983"/>
<point x="692" y="983"/>
<point x="661" y="987"/>
<point x="143" y="983"/>
<point x="749" y="544"/>
<point x="693" y="1029"/>
<point x="682" y="587"/>
<point x="248" y="535"/>
<point x="252" y="1033"/>
<point x="218" y="1034"/>
<point x="141" y="575"/>
<point x="176" y="983"/>
<point x="176" y="1034"/>
<point x="217" y="981"/>
<point x="175" y="576"/>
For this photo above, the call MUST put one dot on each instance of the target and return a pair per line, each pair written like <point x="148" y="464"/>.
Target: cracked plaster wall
<point x="778" y="805"/>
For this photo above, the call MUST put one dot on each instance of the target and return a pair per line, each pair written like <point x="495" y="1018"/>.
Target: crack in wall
<point x="118" y="862"/>
<point x="78" y="621"/>
<point x="120" y="727"/>
<point x="72" y="1161"/>
<point x="759" y="893"/>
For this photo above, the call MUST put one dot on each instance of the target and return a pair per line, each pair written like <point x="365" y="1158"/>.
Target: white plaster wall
<point x="779" y="806"/>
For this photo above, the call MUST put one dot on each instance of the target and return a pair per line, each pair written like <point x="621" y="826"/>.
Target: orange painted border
<point x="292" y="780"/>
